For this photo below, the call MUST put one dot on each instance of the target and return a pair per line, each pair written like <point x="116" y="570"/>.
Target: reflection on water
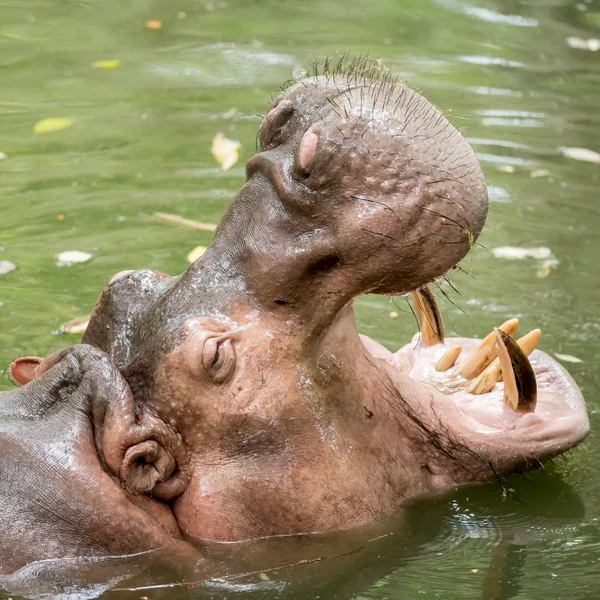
<point x="140" y="142"/>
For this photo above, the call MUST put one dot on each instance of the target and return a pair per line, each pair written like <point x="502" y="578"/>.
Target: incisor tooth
<point x="520" y="386"/>
<point x="485" y="382"/>
<point x="430" y="319"/>
<point x="448" y="359"/>
<point x="486" y="352"/>
<point x="528" y="343"/>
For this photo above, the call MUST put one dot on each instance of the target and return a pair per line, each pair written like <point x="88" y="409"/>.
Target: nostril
<point x="271" y="130"/>
<point x="280" y="113"/>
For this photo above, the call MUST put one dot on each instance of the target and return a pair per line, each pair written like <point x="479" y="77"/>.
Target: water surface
<point x="504" y="72"/>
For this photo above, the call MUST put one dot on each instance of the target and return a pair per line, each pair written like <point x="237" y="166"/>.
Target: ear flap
<point x="141" y="451"/>
<point x="26" y="369"/>
<point x="144" y="465"/>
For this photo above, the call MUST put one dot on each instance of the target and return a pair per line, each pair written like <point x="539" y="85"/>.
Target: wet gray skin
<point x="237" y="400"/>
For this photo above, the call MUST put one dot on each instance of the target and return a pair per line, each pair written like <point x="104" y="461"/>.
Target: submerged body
<point x="237" y="400"/>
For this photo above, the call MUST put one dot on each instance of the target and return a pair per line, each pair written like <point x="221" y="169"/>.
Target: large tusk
<point x="448" y="359"/>
<point x="486" y="352"/>
<point x="430" y="319"/>
<point x="528" y="343"/>
<point x="520" y="386"/>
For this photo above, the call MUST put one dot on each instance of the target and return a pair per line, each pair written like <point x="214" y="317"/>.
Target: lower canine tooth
<point x="520" y="386"/>
<point x="448" y="359"/>
<point x="528" y="343"/>
<point x="486" y="352"/>
<point x="430" y="319"/>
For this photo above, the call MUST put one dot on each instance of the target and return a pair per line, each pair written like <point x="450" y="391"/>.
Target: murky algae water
<point x="521" y="78"/>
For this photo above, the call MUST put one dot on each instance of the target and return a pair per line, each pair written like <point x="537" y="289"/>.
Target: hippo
<point x="238" y="401"/>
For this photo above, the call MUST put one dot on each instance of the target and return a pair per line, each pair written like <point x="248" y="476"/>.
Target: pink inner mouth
<point x="558" y="397"/>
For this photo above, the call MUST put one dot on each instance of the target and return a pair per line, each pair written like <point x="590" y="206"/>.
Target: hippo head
<point x="287" y="420"/>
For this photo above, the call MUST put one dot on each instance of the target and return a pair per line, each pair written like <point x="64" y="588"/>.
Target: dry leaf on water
<point x="109" y="65"/>
<point x="52" y="124"/>
<point x="592" y="44"/>
<point x="66" y="259"/>
<point x="177" y="220"/>
<point x="75" y="326"/>
<point x="582" y="154"/>
<point x="513" y="253"/>
<point x="567" y="358"/>
<point x="6" y="267"/>
<point x="225" y="151"/>
<point x="544" y="269"/>
<point x="196" y="253"/>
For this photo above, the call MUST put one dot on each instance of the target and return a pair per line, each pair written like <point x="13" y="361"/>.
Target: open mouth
<point x="500" y="383"/>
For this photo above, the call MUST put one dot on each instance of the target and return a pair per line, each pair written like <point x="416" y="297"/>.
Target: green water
<point x="140" y="143"/>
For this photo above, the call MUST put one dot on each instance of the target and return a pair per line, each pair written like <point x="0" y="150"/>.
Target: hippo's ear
<point x="26" y="369"/>
<point x="141" y="450"/>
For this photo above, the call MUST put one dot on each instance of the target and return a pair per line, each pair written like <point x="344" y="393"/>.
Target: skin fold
<point x="237" y="400"/>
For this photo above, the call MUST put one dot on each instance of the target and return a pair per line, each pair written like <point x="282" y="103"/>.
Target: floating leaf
<point x="567" y="358"/>
<point x="593" y="45"/>
<point x="75" y="326"/>
<point x="109" y="65"/>
<point x="152" y="24"/>
<point x="513" y="253"/>
<point x="576" y="42"/>
<point x="52" y="124"/>
<point x="544" y="269"/>
<point x="177" y="220"/>
<point x="225" y="151"/>
<point x="539" y="173"/>
<point x="581" y="154"/>
<point x="6" y="267"/>
<point x="196" y="253"/>
<point x="66" y="259"/>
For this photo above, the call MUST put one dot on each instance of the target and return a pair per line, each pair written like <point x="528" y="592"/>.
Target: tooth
<point x="448" y="359"/>
<point x="520" y="386"/>
<point x="528" y="343"/>
<point x="485" y="382"/>
<point x="430" y="319"/>
<point x="486" y="352"/>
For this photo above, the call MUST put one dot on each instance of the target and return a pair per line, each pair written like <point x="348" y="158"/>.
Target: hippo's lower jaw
<point x="530" y="408"/>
